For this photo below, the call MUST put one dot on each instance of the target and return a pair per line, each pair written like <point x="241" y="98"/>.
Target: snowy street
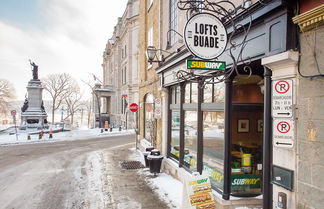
<point x="66" y="174"/>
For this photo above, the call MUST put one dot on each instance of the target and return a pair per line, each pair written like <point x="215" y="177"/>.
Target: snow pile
<point x="22" y="137"/>
<point x="168" y="188"/>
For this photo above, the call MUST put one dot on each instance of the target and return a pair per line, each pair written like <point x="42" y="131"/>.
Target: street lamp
<point x="62" y="119"/>
<point x="151" y="53"/>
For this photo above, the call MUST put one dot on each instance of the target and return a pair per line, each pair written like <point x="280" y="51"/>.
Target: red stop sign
<point x="13" y="112"/>
<point x="133" y="107"/>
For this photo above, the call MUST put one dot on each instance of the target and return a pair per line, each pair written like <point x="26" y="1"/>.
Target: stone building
<point x="150" y="123"/>
<point x="309" y="74"/>
<point x="271" y="116"/>
<point x="257" y="133"/>
<point x="120" y="69"/>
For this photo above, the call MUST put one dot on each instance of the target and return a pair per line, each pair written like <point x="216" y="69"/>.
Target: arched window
<point x="149" y="122"/>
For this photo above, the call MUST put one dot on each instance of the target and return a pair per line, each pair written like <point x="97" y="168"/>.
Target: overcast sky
<point x="58" y="35"/>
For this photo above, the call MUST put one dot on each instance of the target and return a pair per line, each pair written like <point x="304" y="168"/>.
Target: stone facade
<point x="149" y="83"/>
<point x="310" y="128"/>
<point x="120" y="69"/>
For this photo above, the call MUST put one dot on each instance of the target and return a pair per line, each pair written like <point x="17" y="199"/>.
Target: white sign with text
<point x="283" y="133"/>
<point x="205" y="36"/>
<point x="282" y="99"/>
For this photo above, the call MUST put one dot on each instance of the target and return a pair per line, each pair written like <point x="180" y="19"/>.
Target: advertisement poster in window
<point x="198" y="193"/>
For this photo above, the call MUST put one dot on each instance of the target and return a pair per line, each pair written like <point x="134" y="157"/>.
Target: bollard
<point x="110" y="129"/>
<point x="119" y="128"/>
<point x="28" y="137"/>
<point x="40" y="135"/>
<point x="101" y="131"/>
<point x="50" y="134"/>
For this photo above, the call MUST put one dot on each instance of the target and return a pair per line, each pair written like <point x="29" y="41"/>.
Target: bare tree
<point x="59" y="87"/>
<point x="7" y="93"/>
<point x="73" y="101"/>
<point x="87" y="105"/>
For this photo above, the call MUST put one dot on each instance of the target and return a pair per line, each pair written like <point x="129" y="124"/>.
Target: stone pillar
<point x="164" y="99"/>
<point x="285" y="66"/>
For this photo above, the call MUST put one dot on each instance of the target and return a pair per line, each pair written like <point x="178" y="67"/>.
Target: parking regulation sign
<point x="283" y="133"/>
<point x="282" y="98"/>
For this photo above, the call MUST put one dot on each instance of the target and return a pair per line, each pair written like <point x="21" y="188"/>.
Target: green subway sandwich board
<point x="206" y="65"/>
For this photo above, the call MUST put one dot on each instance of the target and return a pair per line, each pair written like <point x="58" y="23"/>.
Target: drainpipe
<point x="200" y="148"/>
<point x="267" y="142"/>
<point x="227" y="139"/>
<point x="181" y="135"/>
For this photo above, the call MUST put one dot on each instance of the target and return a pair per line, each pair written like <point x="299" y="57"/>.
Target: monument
<point x="33" y="114"/>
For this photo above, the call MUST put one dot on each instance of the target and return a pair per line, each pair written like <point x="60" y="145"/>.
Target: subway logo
<point x="206" y="65"/>
<point x="245" y="181"/>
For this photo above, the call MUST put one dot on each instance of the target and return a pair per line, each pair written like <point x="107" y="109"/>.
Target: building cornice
<point x="310" y="19"/>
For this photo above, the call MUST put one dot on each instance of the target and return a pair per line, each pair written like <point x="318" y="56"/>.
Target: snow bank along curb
<point x="6" y="139"/>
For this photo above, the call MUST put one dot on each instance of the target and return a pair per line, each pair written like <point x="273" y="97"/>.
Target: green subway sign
<point x="205" y="65"/>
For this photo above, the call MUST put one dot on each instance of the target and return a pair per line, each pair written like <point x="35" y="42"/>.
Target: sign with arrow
<point x="283" y="133"/>
<point x="282" y="99"/>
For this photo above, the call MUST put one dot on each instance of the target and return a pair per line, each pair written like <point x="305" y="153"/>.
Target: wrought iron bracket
<point x="228" y="13"/>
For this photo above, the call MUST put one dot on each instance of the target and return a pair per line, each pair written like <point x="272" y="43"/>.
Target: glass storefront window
<point x="175" y="132"/>
<point x="190" y="139"/>
<point x="213" y="157"/>
<point x="208" y="93"/>
<point x="173" y="95"/>
<point x="194" y="92"/>
<point x="246" y="149"/>
<point x="177" y="95"/>
<point x="191" y="93"/>
<point x="188" y="93"/>
<point x="246" y="133"/>
<point x="219" y="92"/>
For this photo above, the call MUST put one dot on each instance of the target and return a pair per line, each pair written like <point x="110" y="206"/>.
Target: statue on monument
<point x="25" y="106"/>
<point x="42" y="107"/>
<point x="35" y="70"/>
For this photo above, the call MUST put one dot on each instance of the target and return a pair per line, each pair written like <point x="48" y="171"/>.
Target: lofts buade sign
<point x="205" y="36"/>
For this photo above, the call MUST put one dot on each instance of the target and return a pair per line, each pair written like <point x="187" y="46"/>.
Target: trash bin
<point x="146" y="153"/>
<point x="155" y="161"/>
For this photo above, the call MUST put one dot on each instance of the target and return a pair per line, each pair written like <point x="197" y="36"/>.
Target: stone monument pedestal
<point x="33" y="112"/>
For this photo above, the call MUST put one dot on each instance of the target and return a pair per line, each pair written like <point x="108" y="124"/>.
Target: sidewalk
<point x="137" y="188"/>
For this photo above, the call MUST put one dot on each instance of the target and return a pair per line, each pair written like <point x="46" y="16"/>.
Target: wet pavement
<point x="73" y="174"/>
<point x="129" y="188"/>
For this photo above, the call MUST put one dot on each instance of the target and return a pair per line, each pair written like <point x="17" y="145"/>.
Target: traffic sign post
<point x="133" y="107"/>
<point x="13" y="114"/>
<point x="282" y="99"/>
<point x="283" y="133"/>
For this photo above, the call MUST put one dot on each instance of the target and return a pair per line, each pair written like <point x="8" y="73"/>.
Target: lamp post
<point x="151" y="54"/>
<point x="62" y="120"/>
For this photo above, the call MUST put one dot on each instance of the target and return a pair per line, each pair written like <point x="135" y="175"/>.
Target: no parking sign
<point x="283" y="133"/>
<point x="282" y="98"/>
